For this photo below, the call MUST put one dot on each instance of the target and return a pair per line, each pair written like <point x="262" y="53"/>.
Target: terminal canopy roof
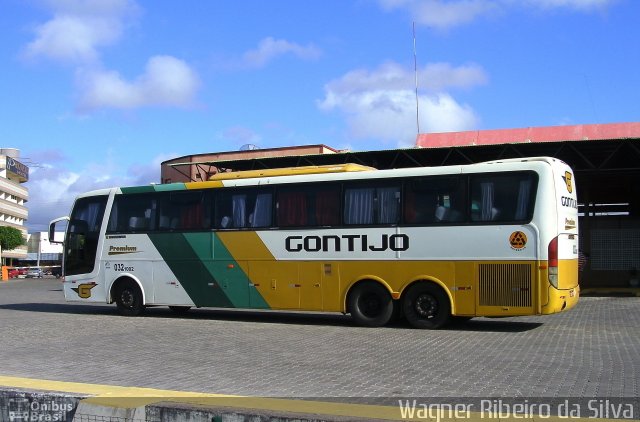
<point x="605" y="157"/>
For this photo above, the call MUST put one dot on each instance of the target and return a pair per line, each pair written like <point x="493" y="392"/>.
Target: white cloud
<point x="444" y="14"/>
<point x="52" y="188"/>
<point x="79" y="28"/>
<point x="392" y="76"/>
<point x="270" y="48"/>
<point x="583" y="5"/>
<point x="166" y="81"/>
<point x="381" y="104"/>
<point x="77" y="32"/>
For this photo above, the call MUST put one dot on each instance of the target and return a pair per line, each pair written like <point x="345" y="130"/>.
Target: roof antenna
<point x="415" y="71"/>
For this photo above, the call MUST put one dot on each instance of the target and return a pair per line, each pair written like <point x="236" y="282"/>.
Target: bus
<point x="430" y="244"/>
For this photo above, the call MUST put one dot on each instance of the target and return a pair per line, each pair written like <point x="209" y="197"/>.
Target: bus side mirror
<point x="58" y="225"/>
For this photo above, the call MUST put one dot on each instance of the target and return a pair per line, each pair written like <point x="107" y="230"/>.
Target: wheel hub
<point x="127" y="298"/>
<point x="426" y="306"/>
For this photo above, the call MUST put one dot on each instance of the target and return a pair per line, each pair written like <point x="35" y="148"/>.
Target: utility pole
<point x="39" y="248"/>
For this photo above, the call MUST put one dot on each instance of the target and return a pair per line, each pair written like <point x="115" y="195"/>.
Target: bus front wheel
<point x="370" y="304"/>
<point x="129" y="299"/>
<point x="426" y="305"/>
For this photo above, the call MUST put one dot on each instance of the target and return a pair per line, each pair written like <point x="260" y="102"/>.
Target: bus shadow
<point x="240" y="315"/>
<point x="494" y="325"/>
<point x="59" y="308"/>
<point x="269" y="317"/>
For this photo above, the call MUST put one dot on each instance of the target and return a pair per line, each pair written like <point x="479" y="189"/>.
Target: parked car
<point x="34" y="272"/>
<point x="17" y="272"/>
<point x="56" y="271"/>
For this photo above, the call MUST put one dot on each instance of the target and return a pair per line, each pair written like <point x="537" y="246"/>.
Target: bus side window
<point x="261" y="216"/>
<point x="224" y="211"/>
<point x="131" y="213"/>
<point x="372" y="205"/>
<point x="504" y="197"/>
<point x="434" y="200"/>
<point x="388" y="205"/>
<point x="326" y="205"/>
<point x="244" y="209"/>
<point x="189" y="210"/>
<point x="419" y="205"/>
<point x="358" y="205"/>
<point x="308" y="205"/>
<point x="292" y="208"/>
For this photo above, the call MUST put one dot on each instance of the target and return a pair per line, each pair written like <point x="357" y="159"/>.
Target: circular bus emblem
<point x="518" y="240"/>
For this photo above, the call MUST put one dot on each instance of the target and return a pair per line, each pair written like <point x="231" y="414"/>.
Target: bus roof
<point x="321" y="173"/>
<point x="290" y="171"/>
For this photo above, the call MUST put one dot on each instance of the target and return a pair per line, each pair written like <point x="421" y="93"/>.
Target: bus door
<point x="81" y="250"/>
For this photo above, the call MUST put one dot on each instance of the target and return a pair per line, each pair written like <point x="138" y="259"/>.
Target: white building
<point x="40" y="249"/>
<point x="13" y="197"/>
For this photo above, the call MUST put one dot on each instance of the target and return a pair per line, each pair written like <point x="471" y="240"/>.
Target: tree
<point x="10" y="238"/>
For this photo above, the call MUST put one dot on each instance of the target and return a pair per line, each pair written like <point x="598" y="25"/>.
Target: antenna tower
<point x="415" y="71"/>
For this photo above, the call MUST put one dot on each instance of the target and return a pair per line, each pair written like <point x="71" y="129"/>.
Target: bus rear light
<point x="553" y="262"/>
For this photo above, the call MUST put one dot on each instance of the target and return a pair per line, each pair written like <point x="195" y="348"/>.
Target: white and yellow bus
<point x="430" y="244"/>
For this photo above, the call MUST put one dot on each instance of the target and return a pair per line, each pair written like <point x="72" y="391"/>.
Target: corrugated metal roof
<point x="590" y="132"/>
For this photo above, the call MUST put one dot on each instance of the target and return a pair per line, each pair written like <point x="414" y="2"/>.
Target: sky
<point x="97" y="93"/>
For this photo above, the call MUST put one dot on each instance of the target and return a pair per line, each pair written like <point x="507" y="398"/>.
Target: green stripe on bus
<point x="237" y="274"/>
<point x="137" y="189"/>
<point x="153" y="188"/>
<point x="225" y="270"/>
<point x="191" y="271"/>
<point x="169" y="187"/>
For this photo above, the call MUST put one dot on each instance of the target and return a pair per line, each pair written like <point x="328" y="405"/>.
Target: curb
<point x="24" y="399"/>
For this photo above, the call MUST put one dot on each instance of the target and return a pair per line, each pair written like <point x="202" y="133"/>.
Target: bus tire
<point x="128" y="299"/>
<point x="426" y="305"/>
<point x="180" y="310"/>
<point x="370" y="304"/>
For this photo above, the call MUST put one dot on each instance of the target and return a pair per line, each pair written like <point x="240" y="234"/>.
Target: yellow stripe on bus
<point x="204" y="185"/>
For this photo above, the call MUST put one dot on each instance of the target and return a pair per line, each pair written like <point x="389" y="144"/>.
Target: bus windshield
<point x="83" y="234"/>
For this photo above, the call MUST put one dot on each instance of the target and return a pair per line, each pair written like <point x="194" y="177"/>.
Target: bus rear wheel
<point x="370" y="304"/>
<point x="426" y="305"/>
<point x="129" y="299"/>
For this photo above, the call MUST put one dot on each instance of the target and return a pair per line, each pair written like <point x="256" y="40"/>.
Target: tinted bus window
<point x="308" y="205"/>
<point x="244" y="208"/>
<point x="190" y="210"/>
<point x="503" y="197"/>
<point x="133" y="213"/>
<point x="434" y="200"/>
<point x="371" y="205"/>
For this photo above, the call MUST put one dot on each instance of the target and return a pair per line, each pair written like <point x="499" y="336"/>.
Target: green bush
<point x="10" y="238"/>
